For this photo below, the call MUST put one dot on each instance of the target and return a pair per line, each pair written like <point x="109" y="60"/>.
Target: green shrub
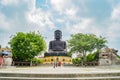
<point x="36" y="61"/>
<point x="76" y="60"/>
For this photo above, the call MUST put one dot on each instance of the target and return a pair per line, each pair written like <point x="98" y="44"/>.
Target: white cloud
<point x="27" y="19"/>
<point x="71" y="13"/>
<point x="113" y="31"/>
<point x="40" y="18"/>
<point x="33" y="18"/>
<point x="81" y="26"/>
<point x="4" y="24"/>
<point x="9" y="2"/>
<point x="65" y="7"/>
<point x="116" y="12"/>
<point x="30" y="4"/>
<point x="60" y="20"/>
<point x="17" y="2"/>
<point x="5" y="30"/>
<point x="59" y="5"/>
<point x="114" y="28"/>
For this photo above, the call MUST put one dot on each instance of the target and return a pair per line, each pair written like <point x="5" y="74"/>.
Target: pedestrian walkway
<point x="60" y="73"/>
<point x="58" y="70"/>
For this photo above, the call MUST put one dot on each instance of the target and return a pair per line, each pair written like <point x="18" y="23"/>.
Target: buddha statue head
<point x="58" y="34"/>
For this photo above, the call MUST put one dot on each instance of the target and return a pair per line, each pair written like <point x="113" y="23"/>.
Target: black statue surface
<point x="57" y="44"/>
<point x="57" y="47"/>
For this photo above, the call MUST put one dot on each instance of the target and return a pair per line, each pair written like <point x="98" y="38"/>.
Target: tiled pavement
<point x="50" y="69"/>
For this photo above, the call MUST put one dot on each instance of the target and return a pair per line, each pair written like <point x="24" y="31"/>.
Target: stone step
<point x="78" y="78"/>
<point x="68" y="76"/>
<point x="64" y="75"/>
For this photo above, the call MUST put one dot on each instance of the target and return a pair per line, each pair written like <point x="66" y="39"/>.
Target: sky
<point x="100" y="17"/>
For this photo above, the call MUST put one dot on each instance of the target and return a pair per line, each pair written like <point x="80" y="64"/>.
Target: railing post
<point x="30" y="63"/>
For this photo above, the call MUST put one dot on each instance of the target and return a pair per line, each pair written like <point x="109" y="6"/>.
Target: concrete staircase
<point x="59" y="76"/>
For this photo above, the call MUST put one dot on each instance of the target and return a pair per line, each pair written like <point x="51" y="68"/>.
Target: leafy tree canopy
<point x="82" y="43"/>
<point x="27" y="45"/>
<point x="85" y="42"/>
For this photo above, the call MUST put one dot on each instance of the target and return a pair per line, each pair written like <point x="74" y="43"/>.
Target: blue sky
<point x="100" y="17"/>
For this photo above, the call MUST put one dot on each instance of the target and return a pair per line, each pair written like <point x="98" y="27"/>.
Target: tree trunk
<point x="84" y="58"/>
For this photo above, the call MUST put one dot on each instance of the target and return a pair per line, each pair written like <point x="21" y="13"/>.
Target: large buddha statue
<point x="57" y="51"/>
<point x="57" y="44"/>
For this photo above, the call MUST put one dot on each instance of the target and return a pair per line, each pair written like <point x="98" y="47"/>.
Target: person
<point x="1" y="60"/>
<point x="59" y="63"/>
<point x="54" y="65"/>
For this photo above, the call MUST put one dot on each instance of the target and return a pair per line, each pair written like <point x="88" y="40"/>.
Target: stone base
<point x="62" y="59"/>
<point x="7" y="61"/>
<point x="104" y="62"/>
<point x="55" y="53"/>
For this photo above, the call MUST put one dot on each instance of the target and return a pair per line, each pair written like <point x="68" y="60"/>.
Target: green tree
<point x="83" y="43"/>
<point x="26" y="45"/>
<point x="0" y="46"/>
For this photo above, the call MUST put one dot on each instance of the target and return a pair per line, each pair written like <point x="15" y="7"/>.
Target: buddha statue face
<point x="58" y="34"/>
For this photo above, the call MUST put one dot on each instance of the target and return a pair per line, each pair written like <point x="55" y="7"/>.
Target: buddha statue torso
<point x="57" y="44"/>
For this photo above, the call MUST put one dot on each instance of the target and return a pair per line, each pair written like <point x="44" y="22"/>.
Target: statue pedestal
<point x="50" y="58"/>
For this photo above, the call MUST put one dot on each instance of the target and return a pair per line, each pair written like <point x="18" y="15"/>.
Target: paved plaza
<point x="60" y="70"/>
<point x="60" y="73"/>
